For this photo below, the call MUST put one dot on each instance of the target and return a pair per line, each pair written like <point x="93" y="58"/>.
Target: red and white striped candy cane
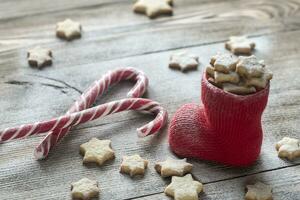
<point x="89" y="97"/>
<point x="79" y="113"/>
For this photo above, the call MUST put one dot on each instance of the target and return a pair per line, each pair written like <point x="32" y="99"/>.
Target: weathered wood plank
<point x="43" y="11"/>
<point x="28" y="95"/>
<point x="16" y="10"/>
<point x="194" y="24"/>
<point x="56" y="173"/>
<point x="283" y="181"/>
<point x="282" y="107"/>
<point x="155" y="66"/>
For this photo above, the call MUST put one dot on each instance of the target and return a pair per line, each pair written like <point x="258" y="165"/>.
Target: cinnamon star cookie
<point x="184" y="188"/>
<point x="97" y="151"/>
<point x="85" y="189"/>
<point x="68" y="29"/>
<point x="133" y="165"/>
<point x="183" y="61"/>
<point x="39" y="57"/>
<point x="240" y="45"/>
<point x="258" y="191"/>
<point x="288" y="148"/>
<point x="153" y="8"/>
<point x="173" y="167"/>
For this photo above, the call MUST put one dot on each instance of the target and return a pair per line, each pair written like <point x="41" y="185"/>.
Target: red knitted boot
<point x="226" y="128"/>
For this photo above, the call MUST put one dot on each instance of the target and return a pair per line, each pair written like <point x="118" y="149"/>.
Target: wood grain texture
<point x="193" y="24"/>
<point x="114" y="37"/>
<point x="284" y="183"/>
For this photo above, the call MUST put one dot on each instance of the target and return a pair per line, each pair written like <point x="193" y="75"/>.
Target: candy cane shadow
<point x="69" y="147"/>
<point x="120" y="89"/>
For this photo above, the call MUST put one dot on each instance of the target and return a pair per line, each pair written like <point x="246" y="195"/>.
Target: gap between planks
<point x="221" y="180"/>
<point x="202" y="44"/>
<point x="162" y="51"/>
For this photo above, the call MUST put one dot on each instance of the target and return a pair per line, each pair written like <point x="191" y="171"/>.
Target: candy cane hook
<point x="80" y="112"/>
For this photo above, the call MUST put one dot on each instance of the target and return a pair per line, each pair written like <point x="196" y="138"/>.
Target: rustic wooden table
<point x="114" y="36"/>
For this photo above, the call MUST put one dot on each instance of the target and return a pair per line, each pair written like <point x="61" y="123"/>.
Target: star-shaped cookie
<point x="173" y="167"/>
<point x="68" y="29"/>
<point x="184" y="188"/>
<point x="240" y="88"/>
<point x="223" y="62"/>
<point x="97" y="151"/>
<point x="231" y="77"/>
<point x="262" y="81"/>
<point x="153" y="8"/>
<point x="133" y="165"/>
<point x="250" y="66"/>
<point x="240" y="45"/>
<point x="288" y="148"/>
<point x="39" y="57"/>
<point x="85" y="189"/>
<point x="183" y="61"/>
<point x="210" y="71"/>
<point x="258" y="191"/>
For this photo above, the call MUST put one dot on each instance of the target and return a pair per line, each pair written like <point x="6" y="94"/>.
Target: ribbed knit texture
<point x="226" y="128"/>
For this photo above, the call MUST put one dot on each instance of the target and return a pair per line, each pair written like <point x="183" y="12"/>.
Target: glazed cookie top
<point x="250" y="66"/>
<point x="242" y="75"/>
<point x="223" y="62"/>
